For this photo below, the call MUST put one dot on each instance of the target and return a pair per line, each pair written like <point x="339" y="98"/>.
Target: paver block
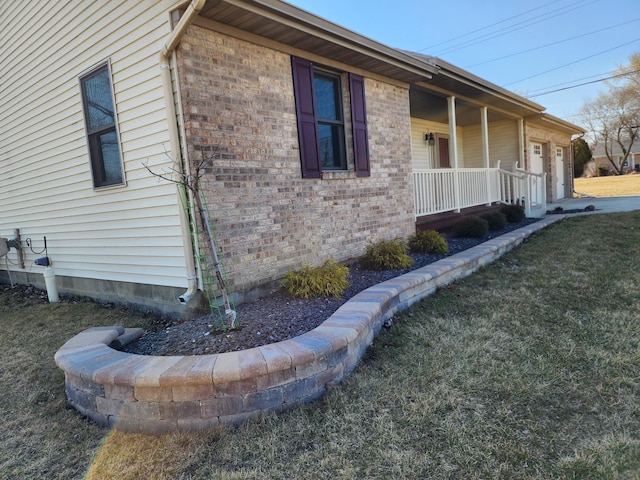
<point x="182" y="393"/>
<point x="175" y="410"/>
<point x="263" y="400"/>
<point x="153" y="394"/>
<point x="216" y="407"/>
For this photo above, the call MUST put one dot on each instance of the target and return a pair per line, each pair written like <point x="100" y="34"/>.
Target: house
<point x="308" y="141"/>
<point x="601" y="165"/>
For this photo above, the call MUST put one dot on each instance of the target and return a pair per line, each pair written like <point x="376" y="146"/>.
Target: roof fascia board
<point x="467" y="78"/>
<point x="308" y="23"/>
<point x="550" y="121"/>
<point x="284" y="48"/>
<point x="473" y="80"/>
<point x="508" y="98"/>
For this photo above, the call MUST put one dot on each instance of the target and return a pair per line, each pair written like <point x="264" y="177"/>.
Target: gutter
<point x="174" y="140"/>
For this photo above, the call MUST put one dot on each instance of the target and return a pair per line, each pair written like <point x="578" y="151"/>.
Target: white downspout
<point x="174" y="140"/>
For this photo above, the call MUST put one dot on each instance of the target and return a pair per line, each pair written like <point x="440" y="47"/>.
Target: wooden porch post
<point x="521" y="142"/>
<point x="453" y="149"/>
<point x="484" y="129"/>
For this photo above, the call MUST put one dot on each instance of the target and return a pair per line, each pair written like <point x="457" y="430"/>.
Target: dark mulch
<point x="278" y="316"/>
<point x="270" y="319"/>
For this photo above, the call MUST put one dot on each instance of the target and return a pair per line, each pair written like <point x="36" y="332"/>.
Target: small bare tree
<point x="190" y="182"/>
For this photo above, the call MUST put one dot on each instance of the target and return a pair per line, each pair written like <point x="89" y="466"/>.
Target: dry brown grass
<point x="527" y="369"/>
<point x="613" y="186"/>
<point x="133" y="457"/>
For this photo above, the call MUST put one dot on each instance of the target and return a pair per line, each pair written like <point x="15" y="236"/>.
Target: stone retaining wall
<point x="153" y="394"/>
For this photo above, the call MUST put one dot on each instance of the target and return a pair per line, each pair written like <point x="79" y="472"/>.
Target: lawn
<point x="528" y="369"/>
<point x="613" y="186"/>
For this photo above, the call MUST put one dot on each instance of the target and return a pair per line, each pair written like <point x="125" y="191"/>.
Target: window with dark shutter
<point x="330" y="119"/>
<point x="305" y="110"/>
<point x="321" y="124"/>
<point x="100" y="121"/>
<point x="359" y="125"/>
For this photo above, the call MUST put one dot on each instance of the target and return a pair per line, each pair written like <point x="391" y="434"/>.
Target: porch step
<point x="538" y="211"/>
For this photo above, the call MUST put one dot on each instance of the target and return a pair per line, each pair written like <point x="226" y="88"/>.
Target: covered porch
<point x="468" y="148"/>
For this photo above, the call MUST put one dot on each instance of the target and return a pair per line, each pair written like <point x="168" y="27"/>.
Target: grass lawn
<point x="613" y="186"/>
<point x="528" y="369"/>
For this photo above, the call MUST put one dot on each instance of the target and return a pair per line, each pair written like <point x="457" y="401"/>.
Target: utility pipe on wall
<point x="174" y="140"/>
<point x="50" y="284"/>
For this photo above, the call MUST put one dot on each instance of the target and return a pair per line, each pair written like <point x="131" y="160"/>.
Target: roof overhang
<point x="297" y="30"/>
<point x="289" y="25"/>
<point x="455" y="81"/>
<point x="555" y="123"/>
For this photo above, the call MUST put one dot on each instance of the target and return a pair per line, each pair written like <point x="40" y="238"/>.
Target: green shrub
<point x="471" y="227"/>
<point x="428" y="241"/>
<point x="386" y="255"/>
<point x="329" y="280"/>
<point x="496" y="220"/>
<point x="514" y="213"/>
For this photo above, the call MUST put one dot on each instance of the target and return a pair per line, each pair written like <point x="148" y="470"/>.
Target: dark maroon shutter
<point x="306" y="113"/>
<point x="359" y="125"/>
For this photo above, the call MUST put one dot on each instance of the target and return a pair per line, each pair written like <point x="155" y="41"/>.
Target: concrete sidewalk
<point x="601" y="204"/>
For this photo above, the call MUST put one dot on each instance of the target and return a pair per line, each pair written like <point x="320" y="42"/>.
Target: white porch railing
<point x="450" y="189"/>
<point x="535" y="194"/>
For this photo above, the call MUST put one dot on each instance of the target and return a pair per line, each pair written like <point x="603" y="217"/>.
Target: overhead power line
<point x="553" y="43"/>
<point x="515" y="27"/>
<point x="583" y="84"/>
<point x="571" y="63"/>
<point x="573" y="81"/>
<point x="488" y="26"/>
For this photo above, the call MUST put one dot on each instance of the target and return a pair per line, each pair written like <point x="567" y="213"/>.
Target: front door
<point x="537" y="166"/>
<point x="560" y="192"/>
<point x="443" y="152"/>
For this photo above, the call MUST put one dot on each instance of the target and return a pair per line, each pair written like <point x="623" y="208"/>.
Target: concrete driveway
<point x="602" y="204"/>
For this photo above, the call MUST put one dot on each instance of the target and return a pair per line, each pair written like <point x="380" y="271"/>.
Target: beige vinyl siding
<point x="125" y="233"/>
<point x="472" y="138"/>
<point x="421" y="154"/>
<point x="503" y="144"/>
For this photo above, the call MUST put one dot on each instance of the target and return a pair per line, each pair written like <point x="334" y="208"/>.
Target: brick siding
<point x="550" y="140"/>
<point x="238" y="97"/>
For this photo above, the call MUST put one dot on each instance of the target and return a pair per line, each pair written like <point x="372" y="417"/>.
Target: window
<point x="321" y="120"/>
<point x="329" y="113"/>
<point x="537" y="149"/>
<point x="100" y="123"/>
<point x="559" y="152"/>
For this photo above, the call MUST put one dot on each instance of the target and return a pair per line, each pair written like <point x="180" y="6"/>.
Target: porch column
<point x="453" y="149"/>
<point x="521" y="142"/>
<point x="484" y="130"/>
<point x="453" y="140"/>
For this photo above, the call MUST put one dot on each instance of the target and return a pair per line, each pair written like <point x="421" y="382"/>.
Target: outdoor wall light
<point x="429" y="138"/>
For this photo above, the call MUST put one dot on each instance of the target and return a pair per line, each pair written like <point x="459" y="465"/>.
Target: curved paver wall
<point x="152" y="394"/>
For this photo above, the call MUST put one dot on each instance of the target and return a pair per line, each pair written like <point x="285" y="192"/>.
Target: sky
<point x="529" y="47"/>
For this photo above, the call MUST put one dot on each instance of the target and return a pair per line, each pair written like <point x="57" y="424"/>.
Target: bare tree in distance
<point x="613" y="118"/>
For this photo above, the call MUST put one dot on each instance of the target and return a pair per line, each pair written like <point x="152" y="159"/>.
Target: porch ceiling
<point x="289" y="25"/>
<point x="433" y="107"/>
<point x="473" y="91"/>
